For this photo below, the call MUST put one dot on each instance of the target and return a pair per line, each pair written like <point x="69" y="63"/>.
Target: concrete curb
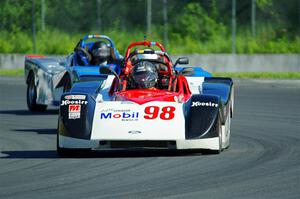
<point x="210" y="62"/>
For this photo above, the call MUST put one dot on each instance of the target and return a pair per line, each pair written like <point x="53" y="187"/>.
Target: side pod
<point x="76" y="115"/>
<point x="223" y="87"/>
<point x="202" y="116"/>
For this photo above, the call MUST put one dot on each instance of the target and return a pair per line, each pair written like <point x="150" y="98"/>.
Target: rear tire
<point x="31" y="96"/>
<point x="67" y="86"/>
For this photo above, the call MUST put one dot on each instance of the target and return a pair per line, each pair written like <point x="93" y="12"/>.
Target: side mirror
<point x="182" y="60"/>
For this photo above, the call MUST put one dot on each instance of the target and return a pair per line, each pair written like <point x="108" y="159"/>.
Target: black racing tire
<point x="68" y="85"/>
<point x="229" y="128"/>
<point x="62" y="152"/>
<point x="65" y="152"/>
<point x="218" y="151"/>
<point x="31" y="95"/>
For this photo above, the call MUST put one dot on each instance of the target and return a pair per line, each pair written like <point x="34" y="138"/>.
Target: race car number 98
<point x="165" y="113"/>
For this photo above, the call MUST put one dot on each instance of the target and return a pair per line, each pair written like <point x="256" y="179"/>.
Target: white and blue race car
<point x="182" y="108"/>
<point x="48" y="77"/>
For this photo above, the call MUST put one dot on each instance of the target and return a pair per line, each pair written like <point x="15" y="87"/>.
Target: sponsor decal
<point x="134" y="132"/>
<point x="164" y="113"/>
<point x="140" y="51"/>
<point x="129" y="116"/>
<point x="114" y="110"/>
<point x="75" y="97"/>
<point x="211" y="104"/>
<point x="67" y="102"/>
<point x="74" y="111"/>
<point x="150" y="113"/>
<point x="122" y="114"/>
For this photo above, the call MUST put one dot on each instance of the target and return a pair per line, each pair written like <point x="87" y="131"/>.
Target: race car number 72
<point x="164" y="113"/>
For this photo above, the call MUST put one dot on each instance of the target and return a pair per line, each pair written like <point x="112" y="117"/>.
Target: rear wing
<point x="43" y="64"/>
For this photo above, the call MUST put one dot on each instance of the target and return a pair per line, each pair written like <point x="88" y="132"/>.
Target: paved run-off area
<point x="262" y="162"/>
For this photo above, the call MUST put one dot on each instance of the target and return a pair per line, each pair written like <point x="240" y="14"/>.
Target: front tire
<point x="65" y="152"/>
<point x="219" y="150"/>
<point x="31" y="96"/>
<point x="228" y="123"/>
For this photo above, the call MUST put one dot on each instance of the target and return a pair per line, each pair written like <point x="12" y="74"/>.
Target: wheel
<point x="31" y="95"/>
<point x="64" y="152"/>
<point x="67" y="86"/>
<point x="220" y="138"/>
<point x="228" y="130"/>
<point x="219" y="150"/>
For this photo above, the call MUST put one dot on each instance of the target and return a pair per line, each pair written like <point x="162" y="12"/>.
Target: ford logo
<point x="134" y="132"/>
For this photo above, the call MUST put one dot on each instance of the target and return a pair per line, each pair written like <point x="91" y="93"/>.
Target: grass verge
<point x="261" y="75"/>
<point x="12" y="72"/>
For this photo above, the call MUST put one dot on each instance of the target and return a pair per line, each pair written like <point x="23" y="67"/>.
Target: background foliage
<point x="195" y="26"/>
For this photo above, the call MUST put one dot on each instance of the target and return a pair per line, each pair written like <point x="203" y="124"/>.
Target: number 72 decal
<point x="164" y="113"/>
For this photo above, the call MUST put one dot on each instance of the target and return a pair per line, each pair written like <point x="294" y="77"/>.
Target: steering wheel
<point x="79" y="49"/>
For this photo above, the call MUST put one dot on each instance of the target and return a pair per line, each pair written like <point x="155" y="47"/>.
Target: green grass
<point x="257" y="75"/>
<point x="261" y="75"/>
<point x="12" y="72"/>
<point x="58" y="42"/>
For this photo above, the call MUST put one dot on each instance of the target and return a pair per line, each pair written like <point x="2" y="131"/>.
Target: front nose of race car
<point x="88" y="123"/>
<point x="131" y="121"/>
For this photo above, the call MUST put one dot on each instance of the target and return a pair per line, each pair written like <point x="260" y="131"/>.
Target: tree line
<point x="191" y="20"/>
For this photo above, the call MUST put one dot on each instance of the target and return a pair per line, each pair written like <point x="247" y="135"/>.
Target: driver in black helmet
<point x="144" y="75"/>
<point x="100" y="53"/>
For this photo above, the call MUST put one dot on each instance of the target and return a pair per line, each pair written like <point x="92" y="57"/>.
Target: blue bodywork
<point x="87" y="45"/>
<point x="212" y="85"/>
<point x="219" y="89"/>
<point x="194" y="72"/>
<point x="87" y="73"/>
<point x="84" y="71"/>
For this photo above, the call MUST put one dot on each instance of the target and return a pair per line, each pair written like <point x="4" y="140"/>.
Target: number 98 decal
<point x="164" y="113"/>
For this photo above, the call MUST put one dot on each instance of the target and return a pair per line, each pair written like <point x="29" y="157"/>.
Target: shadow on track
<point x="38" y="131"/>
<point x="27" y="112"/>
<point x="51" y="154"/>
<point x="28" y="154"/>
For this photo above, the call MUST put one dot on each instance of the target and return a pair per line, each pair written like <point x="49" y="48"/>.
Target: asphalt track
<point x="262" y="162"/>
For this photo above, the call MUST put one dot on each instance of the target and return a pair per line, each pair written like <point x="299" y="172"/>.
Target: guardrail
<point x="210" y="62"/>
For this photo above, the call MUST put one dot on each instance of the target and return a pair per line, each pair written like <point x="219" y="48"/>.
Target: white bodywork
<point x="125" y="121"/>
<point x="47" y="72"/>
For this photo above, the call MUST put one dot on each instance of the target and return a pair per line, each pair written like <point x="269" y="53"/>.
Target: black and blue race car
<point x="48" y="77"/>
